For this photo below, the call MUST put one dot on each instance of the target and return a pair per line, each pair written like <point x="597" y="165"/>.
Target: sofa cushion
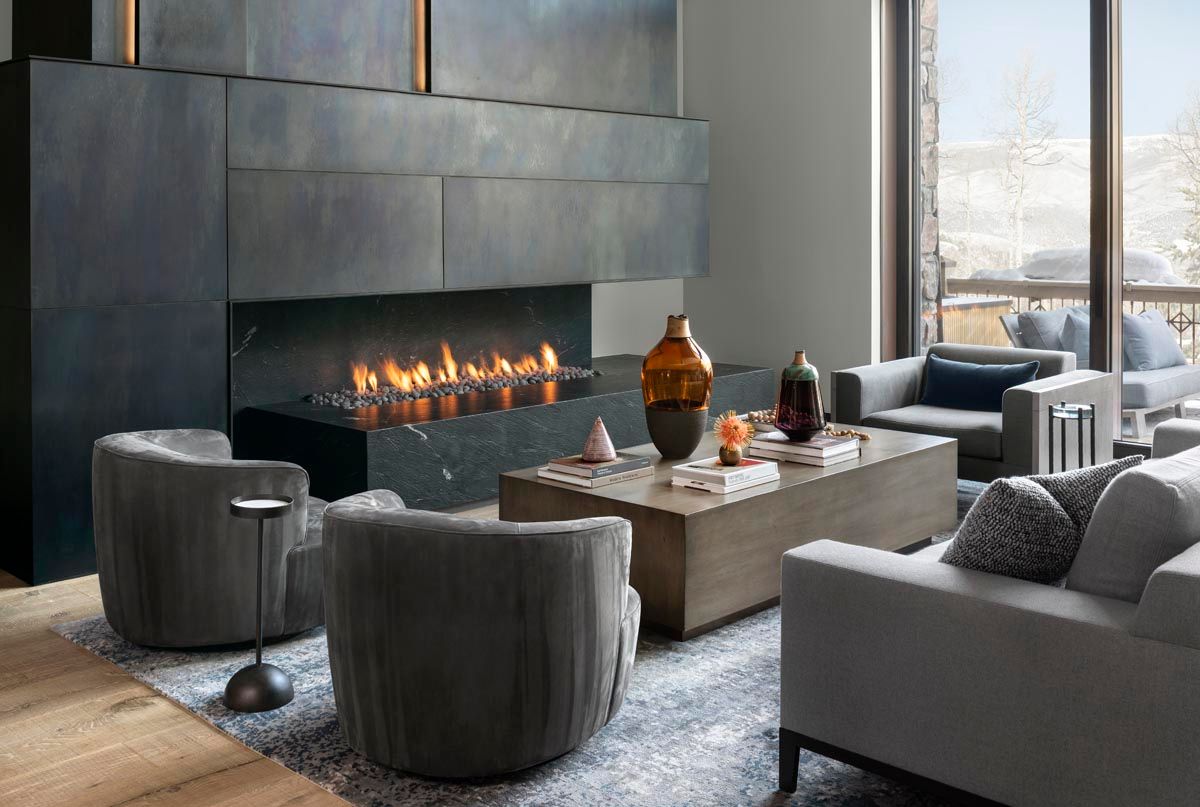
<point x="979" y="434"/>
<point x="1150" y="388"/>
<point x="1031" y="527"/>
<point x="1042" y="330"/>
<point x="1145" y="517"/>
<point x="1149" y="342"/>
<point x="966" y="385"/>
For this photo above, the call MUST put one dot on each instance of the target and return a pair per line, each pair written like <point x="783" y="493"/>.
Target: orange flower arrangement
<point x="732" y="432"/>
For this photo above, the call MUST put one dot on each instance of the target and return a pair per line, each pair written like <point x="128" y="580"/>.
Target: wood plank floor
<point x="76" y="730"/>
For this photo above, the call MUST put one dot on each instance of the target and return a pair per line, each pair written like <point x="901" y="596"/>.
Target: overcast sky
<point x="979" y="39"/>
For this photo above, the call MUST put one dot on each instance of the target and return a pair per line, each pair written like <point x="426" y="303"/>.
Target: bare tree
<point x="1026" y="139"/>
<point x="1184" y="140"/>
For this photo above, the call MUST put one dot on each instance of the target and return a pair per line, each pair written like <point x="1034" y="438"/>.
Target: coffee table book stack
<point x="575" y="470"/>
<point x="712" y="476"/>
<point x="821" y="450"/>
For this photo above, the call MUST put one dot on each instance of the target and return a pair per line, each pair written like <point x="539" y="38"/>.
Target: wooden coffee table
<point x="701" y="560"/>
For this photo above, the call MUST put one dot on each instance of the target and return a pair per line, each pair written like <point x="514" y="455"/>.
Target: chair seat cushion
<point x="979" y="434"/>
<point x="1146" y="389"/>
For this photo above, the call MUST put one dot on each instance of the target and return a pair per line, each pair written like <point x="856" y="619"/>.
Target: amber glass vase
<point x="676" y="388"/>
<point x="800" y="413"/>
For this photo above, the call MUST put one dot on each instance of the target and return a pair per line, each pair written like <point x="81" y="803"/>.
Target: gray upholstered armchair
<point x="1017" y="692"/>
<point x="990" y="444"/>
<point x="176" y="569"/>
<point x="462" y="647"/>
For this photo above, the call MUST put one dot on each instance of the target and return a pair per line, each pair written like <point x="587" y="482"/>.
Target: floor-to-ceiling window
<point x="1005" y="188"/>
<point x="1005" y="171"/>
<point x="1161" y="159"/>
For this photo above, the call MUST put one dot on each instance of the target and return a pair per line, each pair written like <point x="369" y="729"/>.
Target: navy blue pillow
<point x="964" y="385"/>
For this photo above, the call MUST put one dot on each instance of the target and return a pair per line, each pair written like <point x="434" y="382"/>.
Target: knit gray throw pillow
<point x="1031" y="527"/>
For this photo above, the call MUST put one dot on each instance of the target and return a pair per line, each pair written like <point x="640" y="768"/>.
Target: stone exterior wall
<point x="931" y="268"/>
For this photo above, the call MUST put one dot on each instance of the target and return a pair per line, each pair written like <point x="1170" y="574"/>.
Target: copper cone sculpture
<point x="599" y="447"/>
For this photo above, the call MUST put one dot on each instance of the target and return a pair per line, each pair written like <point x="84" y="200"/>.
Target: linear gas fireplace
<point x="433" y="395"/>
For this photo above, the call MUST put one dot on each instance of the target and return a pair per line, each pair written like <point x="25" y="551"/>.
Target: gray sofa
<point x="463" y="647"/>
<point x="1142" y="391"/>
<point x="998" y="688"/>
<point x="176" y="569"/>
<point x="990" y="444"/>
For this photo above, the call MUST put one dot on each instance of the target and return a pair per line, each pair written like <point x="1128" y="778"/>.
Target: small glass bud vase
<point x="676" y="388"/>
<point x="800" y="413"/>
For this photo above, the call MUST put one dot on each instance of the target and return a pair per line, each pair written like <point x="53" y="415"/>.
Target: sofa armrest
<point x="863" y="391"/>
<point x="1174" y="436"/>
<point x="964" y="677"/>
<point x="1168" y="608"/>
<point x="1027" y="419"/>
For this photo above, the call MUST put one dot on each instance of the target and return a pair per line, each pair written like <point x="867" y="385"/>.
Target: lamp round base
<point x="258" y="688"/>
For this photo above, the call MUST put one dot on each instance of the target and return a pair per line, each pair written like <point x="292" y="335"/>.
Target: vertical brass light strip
<point x="129" y="31"/>
<point x="420" y="29"/>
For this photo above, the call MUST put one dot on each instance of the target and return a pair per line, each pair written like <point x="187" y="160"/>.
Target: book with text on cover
<point x="710" y="487"/>
<point x="821" y="445"/>
<point x="546" y="472"/>
<point x="804" y="459"/>
<point x="712" y="470"/>
<point x="594" y="470"/>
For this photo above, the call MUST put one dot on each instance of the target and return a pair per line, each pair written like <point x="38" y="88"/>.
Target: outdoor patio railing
<point x="1179" y="305"/>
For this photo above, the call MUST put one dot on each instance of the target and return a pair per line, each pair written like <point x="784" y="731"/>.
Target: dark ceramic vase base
<point x="258" y="688"/>
<point x="676" y="434"/>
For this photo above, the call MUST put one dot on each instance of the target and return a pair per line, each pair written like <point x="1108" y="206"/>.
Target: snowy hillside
<point x="974" y="209"/>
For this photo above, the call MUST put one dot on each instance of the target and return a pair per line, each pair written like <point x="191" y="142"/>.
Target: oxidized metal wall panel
<point x="104" y="370"/>
<point x="514" y="232"/>
<point x="196" y="34"/>
<point x="362" y="42"/>
<point x="296" y="234"/>
<point x="314" y="128"/>
<point x="127" y="198"/>
<point x="601" y="54"/>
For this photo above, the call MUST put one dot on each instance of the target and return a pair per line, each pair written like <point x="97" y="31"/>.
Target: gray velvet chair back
<point x="463" y="647"/>
<point x="1053" y="362"/>
<point x="176" y="569"/>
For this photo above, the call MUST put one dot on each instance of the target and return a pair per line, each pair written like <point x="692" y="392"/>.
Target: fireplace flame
<point x="448" y="370"/>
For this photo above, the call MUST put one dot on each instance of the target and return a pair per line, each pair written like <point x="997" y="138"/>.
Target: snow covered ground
<point x="974" y="208"/>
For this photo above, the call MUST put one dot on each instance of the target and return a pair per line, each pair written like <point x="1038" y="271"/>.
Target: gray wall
<point x="631" y="317"/>
<point x="788" y="87"/>
<point x="5" y="29"/>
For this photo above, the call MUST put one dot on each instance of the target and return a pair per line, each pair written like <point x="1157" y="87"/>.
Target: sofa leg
<point x="1181" y="410"/>
<point x="789" y="760"/>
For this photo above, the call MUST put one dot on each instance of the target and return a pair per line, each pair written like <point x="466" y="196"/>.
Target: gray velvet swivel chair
<point x="462" y="647"/>
<point x="176" y="569"/>
<point x="990" y="444"/>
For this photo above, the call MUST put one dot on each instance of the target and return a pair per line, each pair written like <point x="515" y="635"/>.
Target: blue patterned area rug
<point x="699" y="727"/>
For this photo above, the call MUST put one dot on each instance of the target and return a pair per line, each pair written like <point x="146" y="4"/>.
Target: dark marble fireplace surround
<point x="434" y="452"/>
<point x="285" y="171"/>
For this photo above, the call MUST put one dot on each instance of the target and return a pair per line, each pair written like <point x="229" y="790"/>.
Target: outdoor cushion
<point x="966" y="385"/>
<point x="1147" y="516"/>
<point x="1043" y="329"/>
<point x="1077" y="338"/>
<point x="1149" y="342"/>
<point x="978" y="433"/>
<point x="1151" y="388"/>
